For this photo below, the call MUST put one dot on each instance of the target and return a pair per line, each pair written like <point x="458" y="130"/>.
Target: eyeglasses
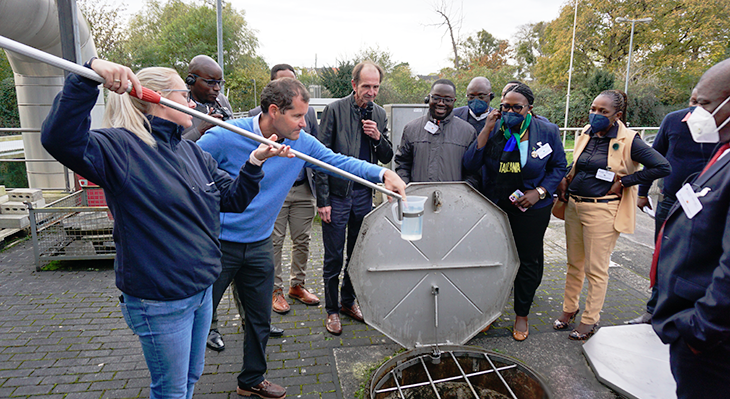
<point x="515" y="107"/>
<point x="445" y="100"/>
<point x="483" y="97"/>
<point x="211" y="82"/>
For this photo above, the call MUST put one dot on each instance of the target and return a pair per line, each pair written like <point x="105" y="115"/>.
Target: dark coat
<point x="341" y="131"/>
<point x="693" y="273"/>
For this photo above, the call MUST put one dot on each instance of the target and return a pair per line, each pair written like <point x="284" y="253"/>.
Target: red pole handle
<point x="147" y="95"/>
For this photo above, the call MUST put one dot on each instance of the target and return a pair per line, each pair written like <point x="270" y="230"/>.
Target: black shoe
<point x="215" y="341"/>
<point x="643" y="319"/>
<point x="276" y="332"/>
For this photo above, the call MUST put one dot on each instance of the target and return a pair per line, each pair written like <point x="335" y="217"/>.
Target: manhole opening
<point x="455" y="374"/>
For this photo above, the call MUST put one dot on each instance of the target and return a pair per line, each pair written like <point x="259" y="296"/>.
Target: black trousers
<point x="700" y="376"/>
<point x="251" y="267"/>
<point x="528" y="228"/>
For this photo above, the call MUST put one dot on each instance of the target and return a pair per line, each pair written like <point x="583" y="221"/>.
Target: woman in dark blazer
<point x="522" y="162"/>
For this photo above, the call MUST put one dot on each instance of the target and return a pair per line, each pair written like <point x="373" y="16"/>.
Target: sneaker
<point x="215" y="341"/>
<point x="643" y="319"/>
<point x="265" y="390"/>
<point x="279" y="303"/>
<point x="302" y="295"/>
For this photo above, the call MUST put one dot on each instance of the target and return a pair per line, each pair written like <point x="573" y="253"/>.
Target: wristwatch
<point x="541" y="191"/>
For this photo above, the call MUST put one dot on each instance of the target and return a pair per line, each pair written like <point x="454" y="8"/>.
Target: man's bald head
<point x="479" y="84"/>
<point x="201" y="63"/>
<point x="201" y="70"/>
<point x="712" y="90"/>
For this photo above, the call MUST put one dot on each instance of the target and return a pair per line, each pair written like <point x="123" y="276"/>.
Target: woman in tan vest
<point x="601" y="191"/>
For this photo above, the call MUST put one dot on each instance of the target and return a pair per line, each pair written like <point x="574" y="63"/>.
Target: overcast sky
<point x="302" y="33"/>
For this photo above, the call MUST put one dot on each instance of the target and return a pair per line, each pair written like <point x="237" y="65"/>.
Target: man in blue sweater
<point x="246" y="237"/>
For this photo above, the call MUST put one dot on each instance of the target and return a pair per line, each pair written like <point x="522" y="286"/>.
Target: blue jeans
<point x="347" y="214"/>
<point x="173" y="335"/>
<point x="251" y="267"/>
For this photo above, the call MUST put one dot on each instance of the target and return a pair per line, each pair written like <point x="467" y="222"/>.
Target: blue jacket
<point x="546" y="172"/>
<point x="165" y="201"/>
<point x="693" y="273"/>
<point x="231" y="150"/>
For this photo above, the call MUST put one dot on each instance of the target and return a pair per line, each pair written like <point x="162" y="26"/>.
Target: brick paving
<point x="62" y="335"/>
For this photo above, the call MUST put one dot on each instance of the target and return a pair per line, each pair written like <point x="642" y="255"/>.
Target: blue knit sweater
<point x="231" y="150"/>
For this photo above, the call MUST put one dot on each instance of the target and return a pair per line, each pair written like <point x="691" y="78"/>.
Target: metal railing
<point x="68" y="229"/>
<point x="69" y="186"/>
<point x="571" y="132"/>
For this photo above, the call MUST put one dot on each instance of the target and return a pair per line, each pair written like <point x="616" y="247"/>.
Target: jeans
<point x="662" y="211"/>
<point x="173" y="335"/>
<point x="251" y="267"/>
<point x="347" y="214"/>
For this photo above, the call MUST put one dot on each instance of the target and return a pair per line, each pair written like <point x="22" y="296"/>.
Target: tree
<point x="529" y="47"/>
<point x="171" y="34"/>
<point x="485" y="50"/>
<point x="9" y="116"/>
<point x="108" y="28"/>
<point x="338" y="79"/>
<point x="452" y="24"/>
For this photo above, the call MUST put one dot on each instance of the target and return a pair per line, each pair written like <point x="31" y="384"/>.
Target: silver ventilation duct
<point x="35" y="23"/>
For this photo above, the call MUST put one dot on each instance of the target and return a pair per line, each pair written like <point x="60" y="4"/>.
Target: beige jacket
<point x="619" y="162"/>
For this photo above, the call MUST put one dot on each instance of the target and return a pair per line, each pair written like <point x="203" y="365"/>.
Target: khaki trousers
<point x="297" y="212"/>
<point x="590" y="239"/>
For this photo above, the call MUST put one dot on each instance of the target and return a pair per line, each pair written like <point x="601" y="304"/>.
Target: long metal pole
<point x="219" y="15"/>
<point x="570" y="69"/>
<point x="58" y="62"/>
<point x="631" y="48"/>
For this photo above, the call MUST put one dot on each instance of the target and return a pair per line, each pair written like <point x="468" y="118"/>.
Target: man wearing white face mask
<point x="692" y="258"/>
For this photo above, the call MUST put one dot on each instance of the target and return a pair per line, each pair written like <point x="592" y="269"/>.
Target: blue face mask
<point x="512" y="119"/>
<point x="598" y="122"/>
<point x="478" y="106"/>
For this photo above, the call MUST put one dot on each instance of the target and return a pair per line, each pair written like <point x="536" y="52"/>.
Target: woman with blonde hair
<point x="165" y="194"/>
<point x="601" y="192"/>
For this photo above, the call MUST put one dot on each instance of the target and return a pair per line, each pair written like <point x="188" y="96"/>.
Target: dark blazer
<point x="546" y="172"/>
<point x="693" y="273"/>
<point x="341" y="131"/>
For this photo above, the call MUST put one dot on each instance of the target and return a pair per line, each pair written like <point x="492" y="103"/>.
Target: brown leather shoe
<point x="333" y="324"/>
<point x="279" y="303"/>
<point x="265" y="389"/>
<point x="301" y="294"/>
<point x="353" y="311"/>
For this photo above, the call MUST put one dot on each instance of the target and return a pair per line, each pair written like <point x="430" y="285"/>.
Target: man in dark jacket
<point x="478" y="94"/>
<point x="205" y="81"/>
<point x="693" y="271"/>
<point x="356" y="127"/>
<point x="433" y="145"/>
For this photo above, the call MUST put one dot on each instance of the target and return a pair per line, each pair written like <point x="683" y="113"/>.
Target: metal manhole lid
<point x="446" y="287"/>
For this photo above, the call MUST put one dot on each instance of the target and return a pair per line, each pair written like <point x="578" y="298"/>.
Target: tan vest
<point x="619" y="162"/>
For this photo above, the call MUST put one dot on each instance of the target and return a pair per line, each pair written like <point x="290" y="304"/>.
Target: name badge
<point x="691" y="205"/>
<point x="605" y="175"/>
<point x="544" y="151"/>
<point x="431" y="127"/>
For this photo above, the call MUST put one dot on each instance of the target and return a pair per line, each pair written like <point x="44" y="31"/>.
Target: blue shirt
<point x="232" y="150"/>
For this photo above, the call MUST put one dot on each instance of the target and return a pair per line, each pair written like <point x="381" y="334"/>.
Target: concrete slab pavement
<point x="62" y="336"/>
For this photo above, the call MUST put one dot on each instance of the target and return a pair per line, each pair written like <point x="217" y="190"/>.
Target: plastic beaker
<point x="412" y="223"/>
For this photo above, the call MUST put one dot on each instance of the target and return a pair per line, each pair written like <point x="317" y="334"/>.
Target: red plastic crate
<point x="95" y="196"/>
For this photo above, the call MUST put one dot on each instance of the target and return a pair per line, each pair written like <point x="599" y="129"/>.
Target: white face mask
<point x="702" y="124"/>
